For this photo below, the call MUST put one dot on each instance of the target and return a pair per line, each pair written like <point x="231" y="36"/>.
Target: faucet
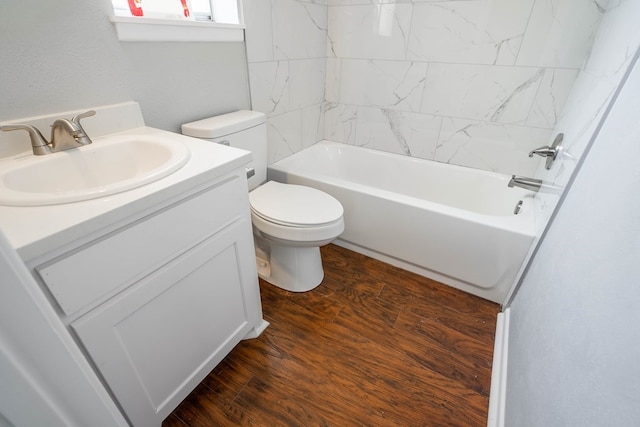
<point x="549" y="152"/>
<point x="65" y="134"/>
<point x="545" y="151"/>
<point x="533" y="184"/>
<point x="526" y="183"/>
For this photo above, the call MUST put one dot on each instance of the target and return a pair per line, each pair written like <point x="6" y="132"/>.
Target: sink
<point x="110" y="165"/>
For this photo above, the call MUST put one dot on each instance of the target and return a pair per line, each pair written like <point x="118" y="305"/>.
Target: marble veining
<point x="407" y="133"/>
<point x="600" y="8"/>
<point x="402" y="75"/>
<point x="510" y="43"/>
<point x="370" y="32"/>
<point x="483" y="62"/>
<point x="312" y="124"/>
<point x="469" y="32"/>
<point x="284" y="135"/>
<point x="270" y="86"/>
<point x="466" y="137"/>
<point x="299" y="29"/>
<point x="395" y="129"/>
<point x="560" y="33"/>
<point x="340" y="122"/>
<point x="480" y="92"/>
<point x="404" y="89"/>
<point x="504" y="104"/>
<point x="320" y="24"/>
<point x="476" y="143"/>
<point x="552" y="94"/>
<point x="386" y="84"/>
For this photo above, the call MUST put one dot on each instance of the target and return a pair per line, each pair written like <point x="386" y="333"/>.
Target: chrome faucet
<point x="549" y="152"/>
<point x="533" y="184"/>
<point x="526" y="183"/>
<point x="65" y="134"/>
<point x="545" y="151"/>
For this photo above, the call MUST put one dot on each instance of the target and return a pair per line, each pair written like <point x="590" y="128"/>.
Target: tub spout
<point x="533" y="184"/>
<point x="524" y="182"/>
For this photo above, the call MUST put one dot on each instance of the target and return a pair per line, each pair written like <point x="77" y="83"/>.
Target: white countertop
<point x="33" y="231"/>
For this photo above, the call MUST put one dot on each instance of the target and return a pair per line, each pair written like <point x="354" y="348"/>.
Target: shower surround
<point x="475" y="83"/>
<point x="286" y="52"/>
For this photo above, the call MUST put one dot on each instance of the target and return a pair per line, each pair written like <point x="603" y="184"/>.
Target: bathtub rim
<point x="522" y="223"/>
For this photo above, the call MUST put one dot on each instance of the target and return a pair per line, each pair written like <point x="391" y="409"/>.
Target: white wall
<point x="64" y="55"/>
<point x="574" y="324"/>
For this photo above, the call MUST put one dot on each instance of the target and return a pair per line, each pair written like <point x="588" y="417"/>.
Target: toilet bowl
<point x="290" y="222"/>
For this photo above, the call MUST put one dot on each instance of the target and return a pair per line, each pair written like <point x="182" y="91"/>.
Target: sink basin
<point x="110" y="165"/>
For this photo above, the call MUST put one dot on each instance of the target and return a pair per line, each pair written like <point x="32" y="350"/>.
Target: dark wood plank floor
<point x="373" y="345"/>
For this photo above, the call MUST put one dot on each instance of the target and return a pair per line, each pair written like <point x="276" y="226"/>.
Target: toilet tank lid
<point x="225" y="124"/>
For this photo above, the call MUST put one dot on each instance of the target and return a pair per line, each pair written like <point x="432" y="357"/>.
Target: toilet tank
<point x="241" y="129"/>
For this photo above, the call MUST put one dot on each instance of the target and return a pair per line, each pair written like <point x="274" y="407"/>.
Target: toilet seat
<point x="294" y="205"/>
<point x="295" y="213"/>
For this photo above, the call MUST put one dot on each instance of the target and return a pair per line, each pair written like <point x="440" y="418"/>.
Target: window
<point x="220" y="11"/>
<point x="177" y="20"/>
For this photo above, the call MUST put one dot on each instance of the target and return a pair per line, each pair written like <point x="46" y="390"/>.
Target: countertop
<point x="34" y="231"/>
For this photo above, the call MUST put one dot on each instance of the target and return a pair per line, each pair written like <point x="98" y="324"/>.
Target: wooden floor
<point x="371" y="346"/>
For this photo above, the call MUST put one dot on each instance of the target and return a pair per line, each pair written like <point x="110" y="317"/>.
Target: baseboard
<point x="498" y="393"/>
<point x="256" y="330"/>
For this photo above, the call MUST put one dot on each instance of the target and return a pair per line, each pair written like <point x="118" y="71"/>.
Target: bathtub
<point x="449" y="223"/>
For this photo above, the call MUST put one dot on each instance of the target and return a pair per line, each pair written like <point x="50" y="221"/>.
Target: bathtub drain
<point x="516" y="210"/>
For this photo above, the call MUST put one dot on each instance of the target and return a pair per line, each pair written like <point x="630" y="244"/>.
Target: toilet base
<point x="294" y="269"/>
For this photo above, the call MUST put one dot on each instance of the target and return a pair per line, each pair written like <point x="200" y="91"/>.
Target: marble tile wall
<point x="476" y="83"/>
<point x="616" y="42"/>
<point x="286" y="44"/>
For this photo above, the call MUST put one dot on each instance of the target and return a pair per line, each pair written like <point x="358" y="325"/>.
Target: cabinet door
<point x="154" y="342"/>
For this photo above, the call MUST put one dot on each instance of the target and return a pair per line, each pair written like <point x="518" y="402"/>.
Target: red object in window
<point x="136" y="9"/>
<point x="185" y="7"/>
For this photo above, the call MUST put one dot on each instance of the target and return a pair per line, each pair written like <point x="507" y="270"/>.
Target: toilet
<point x="290" y="222"/>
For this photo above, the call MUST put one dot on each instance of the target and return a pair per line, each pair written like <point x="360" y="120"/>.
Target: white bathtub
<point x="449" y="223"/>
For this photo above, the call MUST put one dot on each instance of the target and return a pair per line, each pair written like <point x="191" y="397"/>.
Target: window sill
<point x="165" y="30"/>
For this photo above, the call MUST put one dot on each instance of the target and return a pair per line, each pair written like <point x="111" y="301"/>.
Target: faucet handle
<point x="39" y="144"/>
<point x="544" y="151"/>
<point x="77" y="117"/>
<point x="79" y="133"/>
<point x="551" y="153"/>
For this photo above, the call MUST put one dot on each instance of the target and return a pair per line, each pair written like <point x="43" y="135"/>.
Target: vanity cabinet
<point x="157" y="340"/>
<point x="158" y="302"/>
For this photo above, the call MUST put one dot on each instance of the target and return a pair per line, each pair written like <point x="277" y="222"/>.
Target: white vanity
<point x="157" y="283"/>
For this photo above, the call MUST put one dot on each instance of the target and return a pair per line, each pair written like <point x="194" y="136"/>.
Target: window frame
<point x="141" y="29"/>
